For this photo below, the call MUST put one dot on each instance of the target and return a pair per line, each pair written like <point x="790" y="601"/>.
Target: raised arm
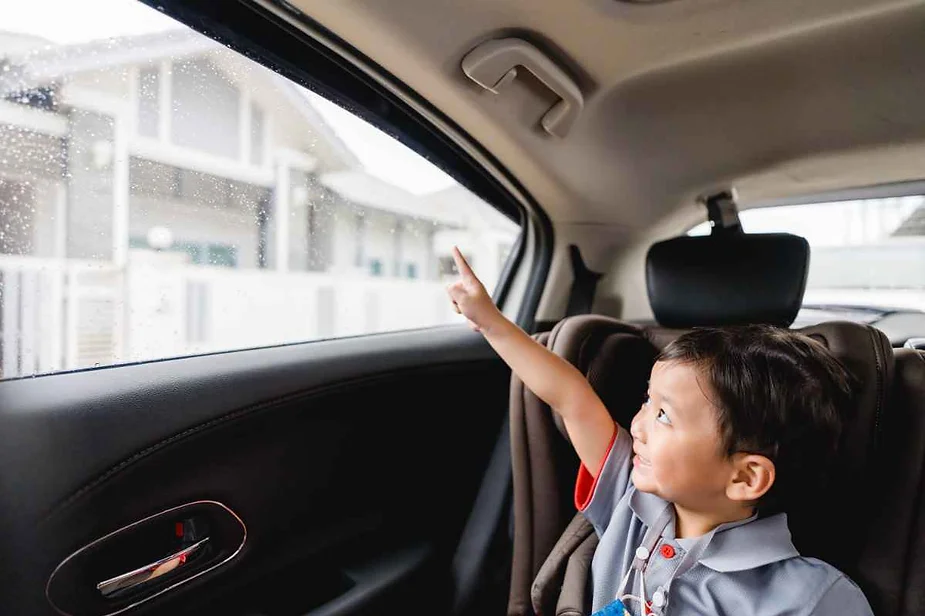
<point x="554" y="380"/>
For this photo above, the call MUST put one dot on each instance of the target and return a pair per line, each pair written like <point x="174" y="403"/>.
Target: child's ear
<point x="752" y="477"/>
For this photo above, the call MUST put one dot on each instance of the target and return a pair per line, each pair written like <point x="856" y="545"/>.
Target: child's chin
<point x="642" y="483"/>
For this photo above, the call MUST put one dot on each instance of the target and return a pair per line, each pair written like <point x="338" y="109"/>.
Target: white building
<point x="162" y="195"/>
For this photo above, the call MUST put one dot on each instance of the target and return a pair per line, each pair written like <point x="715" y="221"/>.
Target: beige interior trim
<point x="680" y="98"/>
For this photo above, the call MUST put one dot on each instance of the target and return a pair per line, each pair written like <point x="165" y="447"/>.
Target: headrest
<point x="729" y="279"/>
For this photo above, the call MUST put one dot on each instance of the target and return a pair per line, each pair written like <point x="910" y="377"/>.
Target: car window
<point x="867" y="256"/>
<point x="161" y="196"/>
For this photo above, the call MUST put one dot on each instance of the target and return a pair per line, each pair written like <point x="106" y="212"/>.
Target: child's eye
<point x="662" y="416"/>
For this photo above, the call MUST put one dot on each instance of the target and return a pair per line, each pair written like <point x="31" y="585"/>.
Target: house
<point x="189" y="136"/>
<point x="169" y="154"/>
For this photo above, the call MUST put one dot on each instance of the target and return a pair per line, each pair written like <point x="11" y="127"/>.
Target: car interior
<point x="409" y="471"/>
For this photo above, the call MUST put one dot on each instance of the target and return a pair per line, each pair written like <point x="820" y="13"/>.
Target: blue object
<point x="614" y="608"/>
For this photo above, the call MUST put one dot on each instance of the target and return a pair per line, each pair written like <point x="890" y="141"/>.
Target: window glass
<point x="202" y="88"/>
<point x="149" y="95"/>
<point x="164" y="196"/>
<point x="257" y="135"/>
<point x="867" y="257"/>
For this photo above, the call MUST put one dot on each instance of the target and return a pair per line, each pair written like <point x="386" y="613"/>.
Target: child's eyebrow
<point x="667" y="400"/>
<point x="661" y="395"/>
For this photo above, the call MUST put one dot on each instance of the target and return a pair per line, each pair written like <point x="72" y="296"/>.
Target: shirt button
<point x="667" y="551"/>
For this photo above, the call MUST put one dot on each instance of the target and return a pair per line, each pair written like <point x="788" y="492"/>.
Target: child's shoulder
<point x="820" y="584"/>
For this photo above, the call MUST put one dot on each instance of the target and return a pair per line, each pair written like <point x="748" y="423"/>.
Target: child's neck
<point x="689" y="523"/>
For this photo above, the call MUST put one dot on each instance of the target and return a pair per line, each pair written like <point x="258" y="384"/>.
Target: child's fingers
<point x="456" y="291"/>
<point x="461" y="264"/>
<point x="458" y="294"/>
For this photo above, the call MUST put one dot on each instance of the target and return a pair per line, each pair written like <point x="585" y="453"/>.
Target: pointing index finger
<point x="461" y="264"/>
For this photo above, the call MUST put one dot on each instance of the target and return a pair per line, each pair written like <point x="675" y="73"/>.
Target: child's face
<point x="677" y="442"/>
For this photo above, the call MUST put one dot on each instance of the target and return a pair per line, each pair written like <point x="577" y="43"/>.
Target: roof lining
<point x="604" y="173"/>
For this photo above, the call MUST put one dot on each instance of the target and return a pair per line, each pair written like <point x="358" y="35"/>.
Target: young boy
<point x="733" y="418"/>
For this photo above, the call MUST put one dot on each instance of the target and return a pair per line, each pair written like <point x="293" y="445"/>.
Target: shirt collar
<point x="736" y="546"/>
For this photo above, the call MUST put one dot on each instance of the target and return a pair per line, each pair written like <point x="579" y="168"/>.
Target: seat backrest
<point x="892" y="561"/>
<point x="743" y="278"/>
<point x="820" y="522"/>
<point x="617" y="358"/>
<point x="544" y="463"/>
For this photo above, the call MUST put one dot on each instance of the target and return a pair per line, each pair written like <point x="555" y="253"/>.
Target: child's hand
<point x="470" y="298"/>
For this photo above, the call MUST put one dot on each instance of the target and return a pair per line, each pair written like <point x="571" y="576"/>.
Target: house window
<point x="221" y="255"/>
<point x="447" y="267"/>
<point x="258" y="135"/>
<point x="149" y="93"/>
<point x="43" y="97"/>
<point x="198" y="253"/>
<point x="204" y="114"/>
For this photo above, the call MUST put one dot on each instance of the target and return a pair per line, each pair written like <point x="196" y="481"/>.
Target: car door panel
<point x="353" y="464"/>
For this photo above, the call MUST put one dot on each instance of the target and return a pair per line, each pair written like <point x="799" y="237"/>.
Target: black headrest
<point x="727" y="280"/>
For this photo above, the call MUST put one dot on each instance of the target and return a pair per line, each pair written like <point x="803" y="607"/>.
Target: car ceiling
<point x="775" y="97"/>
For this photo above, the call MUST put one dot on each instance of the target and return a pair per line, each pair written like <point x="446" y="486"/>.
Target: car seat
<point x="691" y="281"/>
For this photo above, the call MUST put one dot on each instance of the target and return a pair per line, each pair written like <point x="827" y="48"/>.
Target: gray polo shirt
<point x="749" y="567"/>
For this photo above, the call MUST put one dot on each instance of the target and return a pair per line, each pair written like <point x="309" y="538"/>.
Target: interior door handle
<point x="494" y="64"/>
<point x="142" y="575"/>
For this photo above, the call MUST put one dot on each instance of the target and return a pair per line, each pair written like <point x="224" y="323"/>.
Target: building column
<point x="244" y="127"/>
<point x="287" y="161"/>
<point x="398" y="257"/>
<point x="121" y="188"/>
<point x="281" y="195"/>
<point x="98" y="135"/>
<point x="60" y="250"/>
<point x="165" y="100"/>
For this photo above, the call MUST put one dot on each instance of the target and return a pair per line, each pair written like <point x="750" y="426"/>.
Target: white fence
<point x="57" y="315"/>
<point x="62" y="315"/>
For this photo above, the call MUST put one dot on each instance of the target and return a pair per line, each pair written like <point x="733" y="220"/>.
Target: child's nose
<point x="637" y="426"/>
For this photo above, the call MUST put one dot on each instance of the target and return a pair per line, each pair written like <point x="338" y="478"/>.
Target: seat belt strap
<point x="470" y="561"/>
<point x="584" y="285"/>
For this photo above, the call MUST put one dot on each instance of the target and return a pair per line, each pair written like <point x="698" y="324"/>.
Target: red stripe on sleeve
<point x="586" y="482"/>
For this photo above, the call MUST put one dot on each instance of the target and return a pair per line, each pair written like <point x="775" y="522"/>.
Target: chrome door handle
<point x="149" y="572"/>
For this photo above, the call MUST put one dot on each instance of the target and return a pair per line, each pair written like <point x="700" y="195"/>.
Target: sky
<point x="81" y="20"/>
<point x="76" y="21"/>
<point x="382" y="155"/>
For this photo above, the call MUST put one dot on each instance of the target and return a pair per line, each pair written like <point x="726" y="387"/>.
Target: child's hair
<point x="777" y="393"/>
